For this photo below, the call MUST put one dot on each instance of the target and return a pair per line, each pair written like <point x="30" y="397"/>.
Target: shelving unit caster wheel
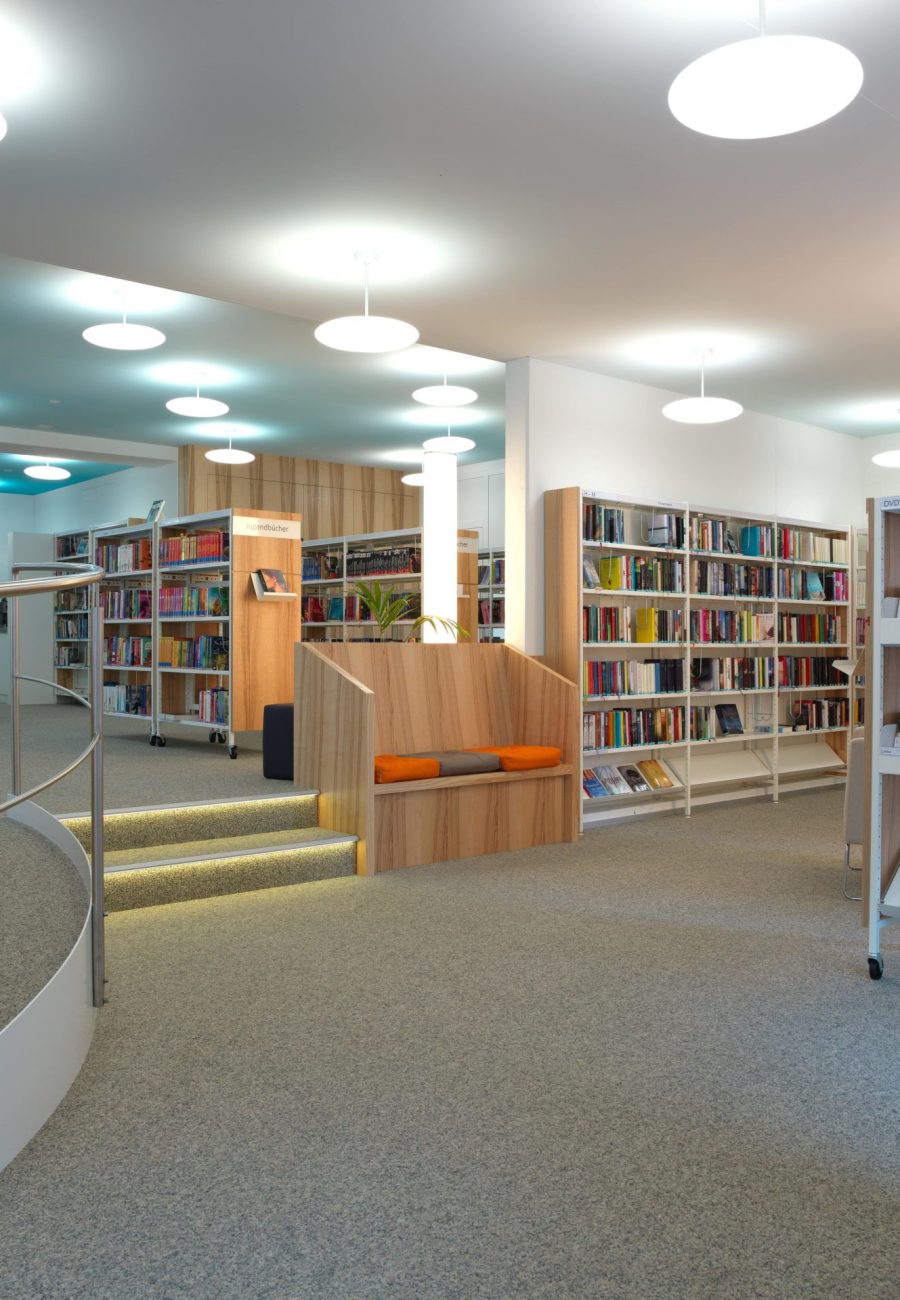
<point x="221" y="737"/>
<point x="232" y="751"/>
<point x="876" y="968"/>
<point x="153" y="740"/>
<point x="161" y="741"/>
<point x="212" y="737"/>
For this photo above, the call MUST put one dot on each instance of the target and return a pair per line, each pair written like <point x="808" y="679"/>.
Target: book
<point x="272" y="579"/>
<point x="645" y="625"/>
<point x="592" y="785"/>
<point x="814" y="588"/>
<point x="729" y="720"/>
<point x="635" y="780"/>
<point x="654" y="773"/>
<point x="154" y="514"/>
<point x="613" y="780"/>
<point x="589" y="573"/>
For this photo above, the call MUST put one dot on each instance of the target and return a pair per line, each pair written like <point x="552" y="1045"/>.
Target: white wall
<point x="16" y="516"/>
<point x="568" y="427"/>
<point x="102" y="500"/>
<point x="481" y="502"/>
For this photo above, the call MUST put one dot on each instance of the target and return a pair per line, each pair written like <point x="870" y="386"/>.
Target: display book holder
<point x="262" y="593"/>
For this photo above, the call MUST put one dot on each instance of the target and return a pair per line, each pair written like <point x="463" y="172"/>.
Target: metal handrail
<point x="76" y="575"/>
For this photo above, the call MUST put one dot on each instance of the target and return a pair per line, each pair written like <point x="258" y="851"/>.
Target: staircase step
<point x="179" y="871"/>
<point x="136" y="828"/>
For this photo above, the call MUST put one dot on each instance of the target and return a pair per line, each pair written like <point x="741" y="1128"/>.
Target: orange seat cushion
<point x="396" y="767"/>
<point x="522" y="758"/>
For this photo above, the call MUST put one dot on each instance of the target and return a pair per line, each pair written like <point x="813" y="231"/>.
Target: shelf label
<point x="467" y="545"/>
<point x="286" y="529"/>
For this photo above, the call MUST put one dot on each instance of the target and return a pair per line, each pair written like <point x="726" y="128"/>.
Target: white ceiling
<point x="518" y="153"/>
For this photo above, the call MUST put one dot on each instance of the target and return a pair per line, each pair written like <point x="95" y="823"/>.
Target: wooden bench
<point x="354" y="701"/>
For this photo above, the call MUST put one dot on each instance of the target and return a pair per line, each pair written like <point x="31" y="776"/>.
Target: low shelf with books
<point x="491" y="595"/>
<point x="331" y="609"/>
<point x="127" y="591"/>
<point x="70" y="667"/>
<point x="732" y="599"/>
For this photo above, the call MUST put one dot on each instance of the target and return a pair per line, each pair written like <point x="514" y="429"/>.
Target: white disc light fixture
<point x="49" y="473"/>
<point x="887" y="459"/>
<point x="197" y="407"/>
<point x="366" y="333"/>
<point x="450" y="443"/>
<point x="766" y="86"/>
<point x="445" y="395"/>
<point x="416" y="479"/>
<point x="230" y="455"/>
<point x="702" y="409"/>
<point x="124" y="336"/>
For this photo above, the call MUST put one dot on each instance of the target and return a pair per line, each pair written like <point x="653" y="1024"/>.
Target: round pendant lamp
<point x="366" y="333"/>
<point x="450" y="443"/>
<point x="766" y="86"/>
<point x="4" y="127"/>
<point x="47" y="472"/>
<point x="230" y="455"/>
<point x="123" y="336"/>
<point x="887" y="459"/>
<point x="702" y="409"/>
<point x="445" y="394"/>
<point x="197" y="407"/>
<point x="414" y="480"/>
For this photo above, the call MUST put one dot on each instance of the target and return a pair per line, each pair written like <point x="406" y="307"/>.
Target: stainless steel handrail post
<point x="89" y="577"/>
<point x="99" y="914"/>
<point x="15" y="719"/>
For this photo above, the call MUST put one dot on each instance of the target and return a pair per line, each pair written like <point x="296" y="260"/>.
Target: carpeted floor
<point x="648" y="1067"/>
<point x="136" y="774"/>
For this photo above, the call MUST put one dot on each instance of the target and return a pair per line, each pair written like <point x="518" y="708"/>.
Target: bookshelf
<point x="491" y="595"/>
<point x="71" y="636"/>
<point x="703" y="640"/>
<point x="881" y="846"/>
<point x="331" y="612"/>
<point x="186" y="641"/>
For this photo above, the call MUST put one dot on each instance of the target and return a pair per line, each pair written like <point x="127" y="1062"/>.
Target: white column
<point x="439" y="542"/>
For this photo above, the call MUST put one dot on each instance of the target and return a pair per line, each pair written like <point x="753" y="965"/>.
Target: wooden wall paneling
<point x="431" y="696"/>
<point x="467" y="580"/>
<point x="546" y="710"/>
<point x="562" y="597"/>
<point x="420" y="827"/>
<point x="263" y="633"/>
<point x="333" y="499"/>
<point x="334" y="749"/>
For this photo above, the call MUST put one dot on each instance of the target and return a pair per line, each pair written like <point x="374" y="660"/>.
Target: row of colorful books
<point x="722" y="578"/>
<point x="209" y="652"/>
<point x="187" y="600"/>
<point x="193" y="548"/>
<point x="603" y="523"/>
<point x="734" y="626"/>
<point x="72" y="627"/>
<point x="633" y="573"/>
<point x="492" y="572"/>
<point x="820" y="629"/>
<point x="385" y="561"/>
<point x="747" y="673"/>
<point x="128" y="651"/>
<point x="213" y="705"/>
<point x="75" y="598"/>
<point x="800" y="544"/>
<point x="126" y="699"/>
<point x="808" y="670"/>
<point x="126" y="602"/>
<point x="618" y="728"/>
<point x="125" y="557"/>
<point x="70" y="656"/>
<point x="491" y="611"/>
<point x="602" y="623"/>
<point x="322" y="566"/>
<point x="630" y="778"/>
<point x="72" y="546"/>
<point x="807" y="584"/>
<point x="630" y="677"/>
<point x="817" y="715"/>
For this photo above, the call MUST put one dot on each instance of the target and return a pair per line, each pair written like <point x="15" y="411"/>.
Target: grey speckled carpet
<point x="648" y="1067"/>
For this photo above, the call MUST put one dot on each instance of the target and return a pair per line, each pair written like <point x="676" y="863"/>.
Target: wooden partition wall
<point x="357" y="700"/>
<point x="333" y="499"/>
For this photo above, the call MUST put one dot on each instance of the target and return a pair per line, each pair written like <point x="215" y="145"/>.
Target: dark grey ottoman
<point x="278" y="742"/>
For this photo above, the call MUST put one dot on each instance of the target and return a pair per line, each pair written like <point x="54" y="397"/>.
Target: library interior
<point x="449" y="651"/>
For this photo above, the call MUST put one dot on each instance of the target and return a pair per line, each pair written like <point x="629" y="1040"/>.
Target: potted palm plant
<point x="388" y="608"/>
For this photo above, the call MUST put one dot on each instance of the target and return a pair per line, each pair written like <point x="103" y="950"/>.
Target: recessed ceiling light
<point x="452" y="445"/>
<point x="197" y="407"/>
<point x="766" y="86"/>
<point x="47" y="472"/>
<point x="124" y="336"/>
<point x="887" y="459"/>
<point x="445" y="395"/>
<point x="366" y="333"/>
